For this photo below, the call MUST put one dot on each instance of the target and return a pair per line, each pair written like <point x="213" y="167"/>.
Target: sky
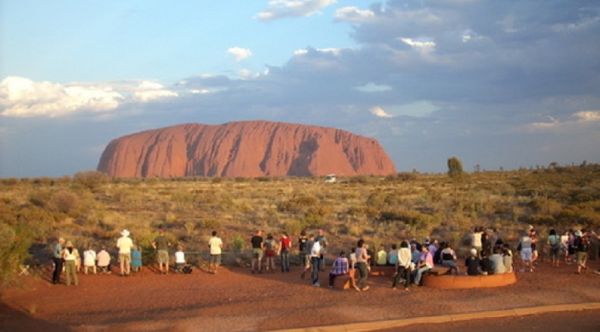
<point x="496" y="83"/>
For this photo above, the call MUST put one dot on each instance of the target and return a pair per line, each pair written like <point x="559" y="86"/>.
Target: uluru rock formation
<point x="244" y="149"/>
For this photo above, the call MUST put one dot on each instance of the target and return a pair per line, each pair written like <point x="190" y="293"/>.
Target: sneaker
<point x="365" y="289"/>
<point x="317" y="285"/>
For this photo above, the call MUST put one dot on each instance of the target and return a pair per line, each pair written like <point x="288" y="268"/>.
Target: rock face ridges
<point x="244" y="149"/>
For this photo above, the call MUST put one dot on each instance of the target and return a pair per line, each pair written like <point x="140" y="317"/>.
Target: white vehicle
<point x="330" y="178"/>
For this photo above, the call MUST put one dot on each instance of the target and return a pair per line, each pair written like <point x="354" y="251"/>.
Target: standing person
<point x="564" y="246"/>
<point x="69" y="256"/>
<point x="352" y="272"/>
<point x="582" y="244"/>
<point x="270" y="253"/>
<point x="89" y="260"/>
<point x="136" y="259"/>
<point x="323" y="242"/>
<point x="554" y="242"/>
<point x="257" y="252"/>
<point x="362" y="259"/>
<point x="57" y="258"/>
<point x="425" y="264"/>
<point x="403" y="265"/>
<point x="526" y="252"/>
<point x="339" y="268"/>
<point x="315" y="260"/>
<point x="124" y="243"/>
<point x="476" y="239"/>
<point x="534" y="241"/>
<point x="161" y="244"/>
<point x="307" y="262"/>
<point x="215" y="244"/>
<point x="285" y="243"/>
<point x="302" y="240"/>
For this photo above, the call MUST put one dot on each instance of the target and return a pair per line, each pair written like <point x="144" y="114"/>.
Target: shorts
<point x="215" y="259"/>
<point x="270" y="253"/>
<point x="554" y="251"/>
<point x="526" y="254"/>
<point x="163" y="257"/>
<point x="581" y="257"/>
<point x="257" y="253"/>
<point x="125" y="258"/>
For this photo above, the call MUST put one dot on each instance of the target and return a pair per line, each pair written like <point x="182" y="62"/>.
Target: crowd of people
<point x="488" y="254"/>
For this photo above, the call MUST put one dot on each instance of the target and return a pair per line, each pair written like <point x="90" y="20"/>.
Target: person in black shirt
<point x="257" y="251"/>
<point x="302" y="241"/>
<point x="473" y="264"/>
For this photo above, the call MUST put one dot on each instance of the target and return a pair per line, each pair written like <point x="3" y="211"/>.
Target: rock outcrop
<point x="244" y="149"/>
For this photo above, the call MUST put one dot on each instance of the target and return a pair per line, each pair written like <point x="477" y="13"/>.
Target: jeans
<point x="58" y="265"/>
<point x="285" y="261"/>
<point x="363" y="273"/>
<point x="420" y="274"/>
<point x="316" y="264"/>
<point x="402" y="273"/>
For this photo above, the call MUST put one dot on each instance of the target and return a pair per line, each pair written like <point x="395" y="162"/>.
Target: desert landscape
<point x="91" y="209"/>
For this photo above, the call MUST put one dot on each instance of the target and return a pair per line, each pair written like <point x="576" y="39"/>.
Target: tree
<point x="455" y="168"/>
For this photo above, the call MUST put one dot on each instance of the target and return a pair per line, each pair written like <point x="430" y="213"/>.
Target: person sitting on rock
<point x="472" y="263"/>
<point x="448" y="257"/>
<point x="339" y="268"/>
<point x="507" y="258"/>
<point x="381" y="257"/>
<point x="103" y="258"/>
<point x="392" y="256"/>
<point x="497" y="262"/>
<point x="425" y="264"/>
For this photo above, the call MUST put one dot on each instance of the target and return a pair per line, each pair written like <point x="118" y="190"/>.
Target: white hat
<point x="578" y="233"/>
<point x="125" y="232"/>
<point x="474" y="252"/>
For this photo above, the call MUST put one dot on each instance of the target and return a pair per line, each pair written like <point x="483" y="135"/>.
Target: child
<point x="89" y="260"/>
<point x="179" y="259"/>
<point x="136" y="259"/>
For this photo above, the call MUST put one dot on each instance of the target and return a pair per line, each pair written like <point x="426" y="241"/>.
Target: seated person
<point x="179" y="259"/>
<point x="449" y="258"/>
<point x="393" y="255"/>
<point x="486" y="264"/>
<point x="497" y="262"/>
<point x="473" y="264"/>
<point x="507" y="258"/>
<point x="415" y="252"/>
<point x="425" y="264"/>
<point x="340" y="267"/>
<point x="381" y="257"/>
<point x="103" y="258"/>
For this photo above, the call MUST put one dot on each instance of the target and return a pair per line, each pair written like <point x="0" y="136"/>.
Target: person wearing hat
<point x="70" y="255"/>
<point x="124" y="243"/>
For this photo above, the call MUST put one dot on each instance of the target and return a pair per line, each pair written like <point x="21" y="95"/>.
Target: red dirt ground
<point x="236" y="300"/>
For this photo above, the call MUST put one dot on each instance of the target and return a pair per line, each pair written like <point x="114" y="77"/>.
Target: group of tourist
<point x="488" y="254"/>
<point x="66" y="257"/>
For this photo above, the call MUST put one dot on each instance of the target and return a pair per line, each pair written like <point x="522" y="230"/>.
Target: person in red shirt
<point x="285" y="243"/>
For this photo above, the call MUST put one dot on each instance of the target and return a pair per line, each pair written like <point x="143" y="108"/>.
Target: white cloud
<point x="328" y="50"/>
<point x="587" y="116"/>
<point x="421" y="45"/>
<point x="239" y="53"/>
<point x="372" y="87"/>
<point x="380" y="112"/>
<point x="353" y="14"/>
<point x="148" y="91"/>
<point x="550" y="122"/>
<point x="22" y="97"/>
<point x="277" y="9"/>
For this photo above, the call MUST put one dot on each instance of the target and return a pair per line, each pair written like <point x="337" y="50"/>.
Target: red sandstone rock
<point x="244" y="149"/>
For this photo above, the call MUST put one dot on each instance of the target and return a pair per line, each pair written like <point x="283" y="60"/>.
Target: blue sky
<point x="496" y="83"/>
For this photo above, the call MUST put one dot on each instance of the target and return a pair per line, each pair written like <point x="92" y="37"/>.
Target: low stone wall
<point x="463" y="281"/>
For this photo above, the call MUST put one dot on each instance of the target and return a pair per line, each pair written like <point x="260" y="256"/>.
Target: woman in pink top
<point x="425" y="264"/>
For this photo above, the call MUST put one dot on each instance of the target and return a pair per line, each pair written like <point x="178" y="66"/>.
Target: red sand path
<point x="236" y="300"/>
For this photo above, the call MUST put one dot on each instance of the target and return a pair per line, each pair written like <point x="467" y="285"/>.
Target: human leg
<point x="58" y="266"/>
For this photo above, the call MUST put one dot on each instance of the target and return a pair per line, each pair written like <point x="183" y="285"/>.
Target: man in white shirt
<point x="315" y="260"/>
<point x="216" y="245"/>
<point x="124" y="244"/>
